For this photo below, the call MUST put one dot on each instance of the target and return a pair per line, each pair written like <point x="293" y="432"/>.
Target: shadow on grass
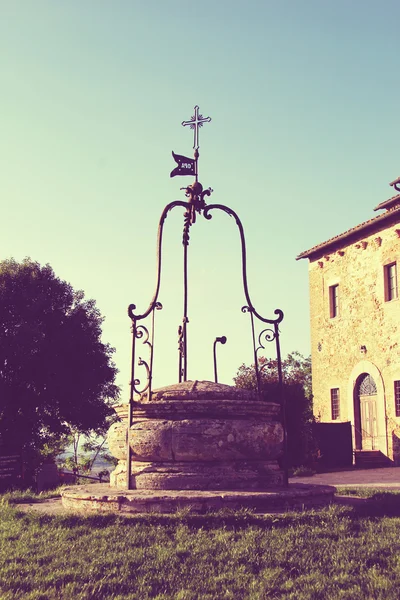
<point x="375" y="508"/>
<point x="225" y="518"/>
<point x="380" y="504"/>
<point x="371" y="504"/>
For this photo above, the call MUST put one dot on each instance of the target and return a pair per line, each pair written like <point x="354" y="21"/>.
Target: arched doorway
<point x="366" y="424"/>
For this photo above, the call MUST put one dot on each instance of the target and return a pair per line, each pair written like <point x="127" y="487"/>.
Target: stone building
<point x="355" y="326"/>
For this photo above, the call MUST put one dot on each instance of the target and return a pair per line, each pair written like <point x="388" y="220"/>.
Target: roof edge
<point x="362" y="228"/>
<point x="388" y="204"/>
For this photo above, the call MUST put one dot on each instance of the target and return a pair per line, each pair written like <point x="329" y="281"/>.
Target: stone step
<point x="371" y="459"/>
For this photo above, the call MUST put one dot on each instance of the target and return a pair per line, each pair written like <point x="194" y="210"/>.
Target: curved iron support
<point x="231" y="213"/>
<point x="140" y="331"/>
<point x="196" y="203"/>
<point x="221" y="340"/>
<point x="271" y="334"/>
<point x="153" y="302"/>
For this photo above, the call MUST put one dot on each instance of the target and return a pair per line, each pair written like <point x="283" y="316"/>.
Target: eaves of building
<point x="375" y="225"/>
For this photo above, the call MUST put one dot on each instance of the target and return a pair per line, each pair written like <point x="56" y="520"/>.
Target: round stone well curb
<point x="101" y="498"/>
<point x="198" y="435"/>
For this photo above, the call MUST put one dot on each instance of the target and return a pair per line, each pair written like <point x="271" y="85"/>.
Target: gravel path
<point x="386" y="478"/>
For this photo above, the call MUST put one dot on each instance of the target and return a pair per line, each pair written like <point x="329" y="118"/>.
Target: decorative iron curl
<point x="180" y="339"/>
<point x="131" y="308"/>
<point x="141" y="331"/>
<point x="136" y="382"/>
<point x="187" y="221"/>
<point x="181" y="352"/>
<point x="206" y="192"/>
<point x="265" y="366"/>
<point x="196" y="195"/>
<point x="270" y="336"/>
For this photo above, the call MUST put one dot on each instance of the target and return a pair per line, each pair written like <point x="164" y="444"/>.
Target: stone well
<point x="198" y="446"/>
<point x="199" y="435"/>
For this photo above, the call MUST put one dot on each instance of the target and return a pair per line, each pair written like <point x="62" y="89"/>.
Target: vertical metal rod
<point x="222" y="340"/>
<point x="180" y="353"/>
<point x="215" y="360"/>
<point x="283" y="407"/>
<point x="196" y="169"/>
<point x="255" y="353"/>
<point x="151" y="354"/>
<point x="130" y="410"/>
<point x="185" y="309"/>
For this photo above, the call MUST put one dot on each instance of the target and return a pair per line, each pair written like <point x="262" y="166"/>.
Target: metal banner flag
<point x="186" y="166"/>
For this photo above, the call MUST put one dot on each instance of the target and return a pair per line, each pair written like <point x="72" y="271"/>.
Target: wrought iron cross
<point x="195" y="122"/>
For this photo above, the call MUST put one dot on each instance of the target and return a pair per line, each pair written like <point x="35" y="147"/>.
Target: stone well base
<point x="100" y="498"/>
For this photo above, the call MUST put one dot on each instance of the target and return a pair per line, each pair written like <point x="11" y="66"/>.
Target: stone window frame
<point x="390" y="280"/>
<point x="396" y="391"/>
<point x="334" y="300"/>
<point x="335" y="404"/>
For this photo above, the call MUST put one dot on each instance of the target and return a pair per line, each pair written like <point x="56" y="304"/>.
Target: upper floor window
<point x="390" y="272"/>
<point x="334" y="300"/>
<point x="397" y="398"/>
<point x="335" y="404"/>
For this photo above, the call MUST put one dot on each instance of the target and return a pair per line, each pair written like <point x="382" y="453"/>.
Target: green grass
<point x="365" y="492"/>
<point x="28" y="496"/>
<point x="334" y="553"/>
<point x="301" y="472"/>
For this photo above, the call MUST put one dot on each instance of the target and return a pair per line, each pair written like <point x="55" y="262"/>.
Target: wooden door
<point x="368" y="422"/>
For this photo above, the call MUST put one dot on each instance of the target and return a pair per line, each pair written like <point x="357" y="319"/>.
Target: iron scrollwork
<point x="142" y="333"/>
<point x="194" y="205"/>
<point x="269" y="335"/>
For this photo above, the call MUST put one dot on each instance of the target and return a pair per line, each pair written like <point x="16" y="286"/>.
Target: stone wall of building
<point x="364" y="336"/>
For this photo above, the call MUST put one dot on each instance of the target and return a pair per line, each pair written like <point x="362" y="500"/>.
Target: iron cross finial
<point x="195" y="122"/>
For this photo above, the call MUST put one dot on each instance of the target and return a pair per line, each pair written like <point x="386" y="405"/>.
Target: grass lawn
<point x="337" y="552"/>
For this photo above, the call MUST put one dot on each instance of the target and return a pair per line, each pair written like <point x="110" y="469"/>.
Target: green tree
<point x="296" y="371"/>
<point x="55" y="372"/>
<point x="87" y="448"/>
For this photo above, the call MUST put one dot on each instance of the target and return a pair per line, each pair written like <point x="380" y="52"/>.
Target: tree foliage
<point x="86" y="450"/>
<point x="55" y="372"/>
<point x="296" y="371"/>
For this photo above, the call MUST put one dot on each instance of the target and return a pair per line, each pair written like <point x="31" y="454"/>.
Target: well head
<point x="199" y="435"/>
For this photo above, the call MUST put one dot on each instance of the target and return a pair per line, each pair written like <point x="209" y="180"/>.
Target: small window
<point x="397" y="398"/>
<point x="335" y="404"/>
<point x="334" y="301"/>
<point x="391" y="292"/>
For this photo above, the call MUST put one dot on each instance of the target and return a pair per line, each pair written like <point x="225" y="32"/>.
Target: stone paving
<point x="384" y="478"/>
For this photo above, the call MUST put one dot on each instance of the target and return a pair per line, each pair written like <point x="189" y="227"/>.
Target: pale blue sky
<point x="303" y="97"/>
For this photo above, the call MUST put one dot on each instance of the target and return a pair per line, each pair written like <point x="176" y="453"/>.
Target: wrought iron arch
<point x="366" y="385"/>
<point x="195" y="205"/>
